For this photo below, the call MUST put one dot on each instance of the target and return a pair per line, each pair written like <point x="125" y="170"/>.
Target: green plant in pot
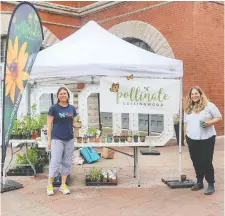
<point x="92" y="133"/>
<point x="109" y="138"/>
<point x="36" y="122"/>
<point x="142" y="136"/>
<point x="116" y="137"/>
<point x="85" y="138"/>
<point x="95" y="175"/>
<point x="176" y="121"/>
<point x="37" y="157"/>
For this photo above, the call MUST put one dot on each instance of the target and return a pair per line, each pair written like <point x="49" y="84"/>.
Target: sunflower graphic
<point x="15" y="75"/>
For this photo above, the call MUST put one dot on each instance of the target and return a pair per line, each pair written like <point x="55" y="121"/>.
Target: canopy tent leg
<point x="182" y="182"/>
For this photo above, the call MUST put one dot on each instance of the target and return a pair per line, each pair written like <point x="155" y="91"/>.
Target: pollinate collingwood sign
<point x="139" y="95"/>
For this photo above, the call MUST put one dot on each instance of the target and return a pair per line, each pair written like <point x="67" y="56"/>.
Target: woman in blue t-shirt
<point x="60" y="139"/>
<point x="199" y="119"/>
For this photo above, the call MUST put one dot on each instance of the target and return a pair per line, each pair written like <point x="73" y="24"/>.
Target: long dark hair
<point x="59" y="90"/>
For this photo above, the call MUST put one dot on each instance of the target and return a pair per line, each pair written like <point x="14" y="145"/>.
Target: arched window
<point x="139" y="43"/>
<point x="156" y="120"/>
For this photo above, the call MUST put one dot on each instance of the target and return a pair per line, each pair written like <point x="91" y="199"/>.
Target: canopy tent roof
<point x="93" y="51"/>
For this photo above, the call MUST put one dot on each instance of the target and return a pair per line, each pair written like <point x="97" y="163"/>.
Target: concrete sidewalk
<point x="153" y="198"/>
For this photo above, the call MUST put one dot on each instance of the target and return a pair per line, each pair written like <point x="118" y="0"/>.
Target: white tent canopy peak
<point x="92" y="50"/>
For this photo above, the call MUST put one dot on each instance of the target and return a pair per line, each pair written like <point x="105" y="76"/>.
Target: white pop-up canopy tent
<point x="93" y="51"/>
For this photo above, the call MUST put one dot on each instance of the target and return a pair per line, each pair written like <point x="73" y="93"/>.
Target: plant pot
<point x="85" y="139"/>
<point x="176" y="128"/>
<point x="129" y="138"/>
<point x="92" y="139"/>
<point x="79" y="139"/>
<point x="109" y="139"/>
<point x="142" y="138"/>
<point x="116" y="139"/>
<point x="135" y="138"/>
<point x="102" y="139"/>
<point x="97" y="139"/>
<point x="34" y="136"/>
<point x="122" y="139"/>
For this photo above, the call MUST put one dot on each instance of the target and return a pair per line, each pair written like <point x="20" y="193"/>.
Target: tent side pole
<point x="180" y="126"/>
<point x="99" y="113"/>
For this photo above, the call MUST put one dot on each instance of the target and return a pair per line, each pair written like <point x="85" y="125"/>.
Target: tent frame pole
<point x="180" y="126"/>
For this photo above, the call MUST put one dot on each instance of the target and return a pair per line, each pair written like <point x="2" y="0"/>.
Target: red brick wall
<point x="60" y="32"/>
<point x="208" y="56"/>
<point x="194" y="30"/>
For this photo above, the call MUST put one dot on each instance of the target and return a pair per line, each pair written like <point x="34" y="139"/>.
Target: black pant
<point x="201" y="152"/>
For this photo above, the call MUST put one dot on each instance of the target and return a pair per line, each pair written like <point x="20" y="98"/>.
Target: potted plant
<point x="116" y="137"/>
<point x="94" y="134"/>
<point x="176" y="128"/>
<point x="142" y="136"/>
<point x="79" y="139"/>
<point x="42" y="159"/>
<point x="109" y="138"/>
<point x="122" y="138"/>
<point x="85" y="139"/>
<point x="129" y="136"/>
<point x="94" y="176"/>
<point x="135" y="137"/>
<point x="38" y="158"/>
<point x="103" y="138"/>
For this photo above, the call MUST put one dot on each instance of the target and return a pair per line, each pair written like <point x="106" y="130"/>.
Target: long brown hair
<point x="190" y="105"/>
<point x="59" y="90"/>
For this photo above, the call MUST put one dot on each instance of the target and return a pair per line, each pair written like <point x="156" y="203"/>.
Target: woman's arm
<point x="212" y="122"/>
<point x="185" y="130"/>
<point x="49" y="123"/>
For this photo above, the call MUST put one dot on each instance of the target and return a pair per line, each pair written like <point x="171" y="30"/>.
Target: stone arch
<point x="145" y="32"/>
<point x="49" y="37"/>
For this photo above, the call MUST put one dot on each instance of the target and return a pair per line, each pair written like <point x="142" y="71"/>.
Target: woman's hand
<point x="49" y="144"/>
<point x="206" y="124"/>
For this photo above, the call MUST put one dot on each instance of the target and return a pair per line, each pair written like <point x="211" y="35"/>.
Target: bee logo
<point x="130" y="77"/>
<point x="115" y="87"/>
<point x="62" y="115"/>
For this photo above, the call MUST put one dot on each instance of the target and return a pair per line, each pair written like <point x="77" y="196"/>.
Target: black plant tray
<point x="20" y="172"/>
<point x="178" y="184"/>
<point x="57" y="181"/>
<point x="94" y="183"/>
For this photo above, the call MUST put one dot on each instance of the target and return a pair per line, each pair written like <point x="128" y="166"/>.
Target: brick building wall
<point x="194" y="30"/>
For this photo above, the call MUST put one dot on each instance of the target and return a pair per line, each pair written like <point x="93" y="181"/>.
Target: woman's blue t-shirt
<point x="62" y="122"/>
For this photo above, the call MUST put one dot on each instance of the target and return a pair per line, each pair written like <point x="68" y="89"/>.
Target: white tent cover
<point x="93" y="51"/>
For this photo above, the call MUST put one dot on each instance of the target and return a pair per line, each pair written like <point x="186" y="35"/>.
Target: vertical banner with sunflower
<point x="25" y="36"/>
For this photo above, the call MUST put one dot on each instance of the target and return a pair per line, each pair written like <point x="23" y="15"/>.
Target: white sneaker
<point x="64" y="188"/>
<point x="50" y="191"/>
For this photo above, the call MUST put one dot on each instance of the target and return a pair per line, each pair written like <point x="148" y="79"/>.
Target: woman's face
<point x="195" y="95"/>
<point x="63" y="96"/>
